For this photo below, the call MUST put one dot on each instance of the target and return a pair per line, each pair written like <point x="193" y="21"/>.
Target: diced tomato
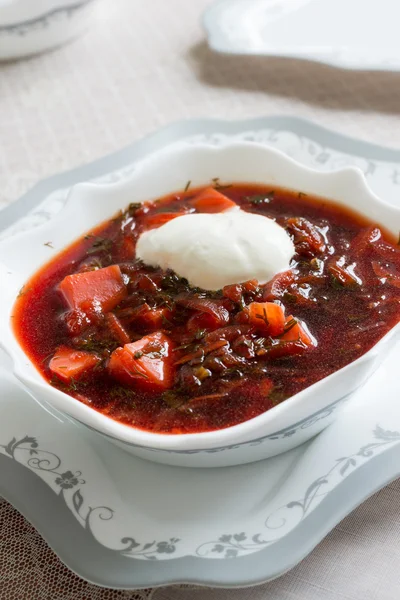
<point x="211" y="201"/>
<point x="307" y="238"/>
<point x="156" y="220"/>
<point x="95" y="291"/>
<point x="275" y="288"/>
<point x="267" y="317"/>
<point x="200" y="321"/>
<point x="234" y="292"/>
<point x="68" y="364"/>
<point x="147" y="363"/>
<point x="251" y="286"/>
<point x="297" y="331"/>
<point x="157" y="318"/>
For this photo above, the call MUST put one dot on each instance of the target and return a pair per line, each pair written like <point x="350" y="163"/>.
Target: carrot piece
<point x="296" y="332"/>
<point x="158" y="219"/>
<point x="267" y="317"/>
<point x="147" y="362"/>
<point x="68" y="364"/>
<point x="211" y="201"/>
<point x="94" y="290"/>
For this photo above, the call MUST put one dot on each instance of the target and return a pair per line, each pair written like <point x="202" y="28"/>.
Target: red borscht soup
<point x="140" y="345"/>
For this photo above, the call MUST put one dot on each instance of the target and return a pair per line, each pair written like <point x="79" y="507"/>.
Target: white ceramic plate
<point x="122" y="522"/>
<point x="350" y="34"/>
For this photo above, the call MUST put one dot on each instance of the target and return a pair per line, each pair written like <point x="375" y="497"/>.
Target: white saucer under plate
<point x="350" y="34"/>
<point x="122" y="522"/>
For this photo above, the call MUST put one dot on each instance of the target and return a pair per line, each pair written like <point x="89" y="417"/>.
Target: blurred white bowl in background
<point x="33" y="26"/>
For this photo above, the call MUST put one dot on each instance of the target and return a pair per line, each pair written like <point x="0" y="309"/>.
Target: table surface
<point x="142" y="65"/>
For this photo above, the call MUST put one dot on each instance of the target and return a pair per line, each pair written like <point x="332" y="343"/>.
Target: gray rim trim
<point x="68" y="8"/>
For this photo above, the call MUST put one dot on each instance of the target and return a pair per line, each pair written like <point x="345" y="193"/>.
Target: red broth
<point x="154" y="353"/>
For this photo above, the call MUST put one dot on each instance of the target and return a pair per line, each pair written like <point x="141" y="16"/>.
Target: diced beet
<point x="94" y="291"/>
<point x="146" y="363"/>
<point x="69" y="364"/>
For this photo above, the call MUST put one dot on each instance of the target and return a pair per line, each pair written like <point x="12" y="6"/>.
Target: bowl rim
<point x="46" y="13"/>
<point x="193" y="441"/>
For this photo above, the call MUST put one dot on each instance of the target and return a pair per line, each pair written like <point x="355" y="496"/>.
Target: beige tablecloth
<point x="140" y="66"/>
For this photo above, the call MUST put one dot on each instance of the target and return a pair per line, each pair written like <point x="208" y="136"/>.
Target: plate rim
<point x="265" y="565"/>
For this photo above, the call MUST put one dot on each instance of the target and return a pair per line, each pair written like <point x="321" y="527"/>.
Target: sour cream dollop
<point x="214" y="250"/>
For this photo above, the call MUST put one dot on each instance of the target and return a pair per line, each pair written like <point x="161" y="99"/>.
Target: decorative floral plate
<point x="335" y="32"/>
<point x="122" y="522"/>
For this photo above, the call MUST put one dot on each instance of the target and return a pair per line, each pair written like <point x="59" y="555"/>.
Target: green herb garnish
<point x="289" y="325"/>
<point x="135" y="371"/>
<point x="200" y="333"/>
<point x="48" y="244"/>
<point x="187" y="186"/>
<point x="263" y="316"/>
<point x="101" y="245"/>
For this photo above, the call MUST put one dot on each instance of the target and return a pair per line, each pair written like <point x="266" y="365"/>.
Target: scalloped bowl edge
<point x="233" y="162"/>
